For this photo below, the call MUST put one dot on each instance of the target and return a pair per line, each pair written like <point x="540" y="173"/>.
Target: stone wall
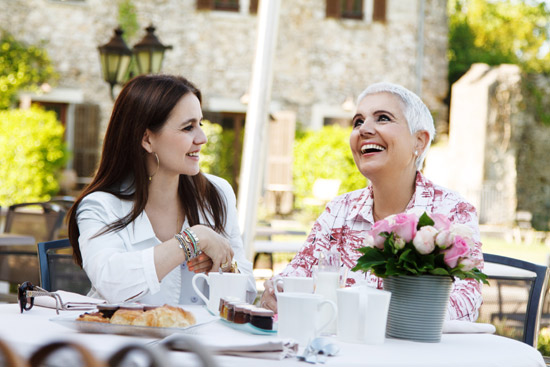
<point x="497" y="155"/>
<point x="533" y="151"/>
<point x="318" y="61"/>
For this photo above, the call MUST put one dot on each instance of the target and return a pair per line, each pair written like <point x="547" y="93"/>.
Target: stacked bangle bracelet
<point x="189" y="243"/>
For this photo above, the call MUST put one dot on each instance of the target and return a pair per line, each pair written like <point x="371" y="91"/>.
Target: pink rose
<point x="468" y="263"/>
<point x="379" y="227"/>
<point x="444" y="239"/>
<point x="459" y="249"/>
<point x="441" y="222"/>
<point x="403" y="225"/>
<point x="463" y="231"/>
<point x="424" y="240"/>
<point x="368" y="241"/>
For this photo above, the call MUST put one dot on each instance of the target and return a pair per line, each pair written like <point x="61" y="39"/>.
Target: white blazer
<point x="120" y="264"/>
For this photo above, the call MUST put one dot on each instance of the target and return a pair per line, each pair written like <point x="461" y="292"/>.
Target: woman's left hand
<point x="200" y="264"/>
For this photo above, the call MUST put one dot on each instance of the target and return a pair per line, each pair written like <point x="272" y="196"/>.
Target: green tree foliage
<point x="216" y="155"/>
<point x="324" y="154"/>
<point x="32" y="152"/>
<point x="127" y="19"/>
<point x="497" y="32"/>
<point x="21" y="66"/>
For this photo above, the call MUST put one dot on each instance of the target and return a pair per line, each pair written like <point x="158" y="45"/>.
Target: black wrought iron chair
<point x="39" y="219"/>
<point x="58" y="270"/>
<point x="515" y="297"/>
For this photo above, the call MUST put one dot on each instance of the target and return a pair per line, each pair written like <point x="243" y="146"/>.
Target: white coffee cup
<point x="362" y="314"/>
<point x="221" y="285"/>
<point x="299" y="315"/>
<point x="294" y="284"/>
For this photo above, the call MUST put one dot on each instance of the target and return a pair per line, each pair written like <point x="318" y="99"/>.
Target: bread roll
<point x="165" y="316"/>
<point x="125" y="317"/>
<point x="93" y="316"/>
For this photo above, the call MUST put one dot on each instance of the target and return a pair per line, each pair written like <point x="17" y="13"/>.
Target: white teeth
<point x="194" y="154"/>
<point x="366" y="147"/>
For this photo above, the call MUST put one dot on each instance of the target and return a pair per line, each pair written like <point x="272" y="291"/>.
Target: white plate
<point x="146" y="331"/>
<point x="249" y="328"/>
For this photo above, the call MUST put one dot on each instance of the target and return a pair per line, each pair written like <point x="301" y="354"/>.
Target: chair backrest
<point x="42" y="220"/>
<point x="58" y="270"/>
<point x="515" y="297"/>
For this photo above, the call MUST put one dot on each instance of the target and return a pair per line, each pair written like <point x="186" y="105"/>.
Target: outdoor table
<point x="11" y="239"/>
<point x="26" y="332"/>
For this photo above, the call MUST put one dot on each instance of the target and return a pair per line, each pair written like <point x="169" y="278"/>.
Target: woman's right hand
<point x="214" y="245"/>
<point x="268" y="299"/>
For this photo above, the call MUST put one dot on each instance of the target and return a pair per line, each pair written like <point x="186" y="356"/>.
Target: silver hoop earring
<point x="158" y="165"/>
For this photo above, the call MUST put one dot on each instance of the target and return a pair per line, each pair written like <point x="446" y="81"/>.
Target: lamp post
<point x="115" y="57"/>
<point x="149" y="52"/>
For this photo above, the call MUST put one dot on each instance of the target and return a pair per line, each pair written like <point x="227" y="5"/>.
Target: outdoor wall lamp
<point x="116" y="57"/>
<point x="149" y="52"/>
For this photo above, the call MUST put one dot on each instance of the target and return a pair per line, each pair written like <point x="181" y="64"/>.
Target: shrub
<point x="544" y="342"/>
<point x="217" y="155"/>
<point x="21" y="66"/>
<point x="32" y="152"/>
<point x="324" y="154"/>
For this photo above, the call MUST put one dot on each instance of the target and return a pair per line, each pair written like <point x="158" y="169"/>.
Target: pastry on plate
<point x="165" y="316"/>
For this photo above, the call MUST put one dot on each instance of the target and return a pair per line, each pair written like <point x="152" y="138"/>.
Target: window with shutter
<point x="253" y="7"/>
<point x="86" y="139"/>
<point x="351" y="9"/>
<point x="205" y="4"/>
<point x="379" y="11"/>
<point x="227" y="5"/>
<point x="333" y="9"/>
<point x="345" y="9"/>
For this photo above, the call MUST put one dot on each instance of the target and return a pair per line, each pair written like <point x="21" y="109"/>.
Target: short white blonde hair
<point x="417" y="114"/>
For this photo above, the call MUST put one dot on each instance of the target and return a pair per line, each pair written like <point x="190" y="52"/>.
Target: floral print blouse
<point x="347" y="218"/>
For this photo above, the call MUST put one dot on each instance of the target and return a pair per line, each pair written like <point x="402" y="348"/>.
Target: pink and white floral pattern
<point x="344" y="224"/>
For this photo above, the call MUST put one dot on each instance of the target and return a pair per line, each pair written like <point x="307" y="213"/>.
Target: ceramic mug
<point x="299" y="315"/>
<point x="362" y="314"/>
<point x="294" y="284"/>
<point x="221" y="285"/>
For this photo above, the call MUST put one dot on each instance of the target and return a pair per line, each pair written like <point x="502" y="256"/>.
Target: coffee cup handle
<point x="194" y="284"/>
<point x="276" y="285"/>
<point x="332" y="318"/>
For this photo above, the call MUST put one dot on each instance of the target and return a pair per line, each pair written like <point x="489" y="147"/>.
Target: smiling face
<point x="381" y="141"/>
<point x="179" y="141"/>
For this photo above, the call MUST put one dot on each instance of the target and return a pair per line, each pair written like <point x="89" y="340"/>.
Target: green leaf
<point x="439" y="271"/>
<point x="424" y="220"/>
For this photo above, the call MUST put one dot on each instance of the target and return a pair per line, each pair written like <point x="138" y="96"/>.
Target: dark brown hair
<point x="145" y="102"/>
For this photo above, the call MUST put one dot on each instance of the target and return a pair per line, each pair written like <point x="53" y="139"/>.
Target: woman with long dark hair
<point x="150" y="220"/>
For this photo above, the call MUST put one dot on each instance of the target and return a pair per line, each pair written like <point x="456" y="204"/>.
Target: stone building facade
<point x="319" y="61"/>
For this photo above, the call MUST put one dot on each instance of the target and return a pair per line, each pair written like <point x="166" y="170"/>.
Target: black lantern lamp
<point x="115" y="59"/>
<point x="149" y="52"/>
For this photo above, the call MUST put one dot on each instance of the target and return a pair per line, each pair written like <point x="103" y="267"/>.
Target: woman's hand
<point x="268" y="299"/>
<point x="217" y="249"/>
<point x="200" y="264"/>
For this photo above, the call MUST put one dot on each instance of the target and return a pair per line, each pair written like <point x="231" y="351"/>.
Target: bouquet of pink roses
<point x="405" y="244"/>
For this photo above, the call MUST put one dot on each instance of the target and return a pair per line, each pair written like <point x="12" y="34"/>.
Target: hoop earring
<point x="158" y="165"/>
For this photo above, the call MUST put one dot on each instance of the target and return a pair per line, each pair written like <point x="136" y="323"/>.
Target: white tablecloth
<point x="26" y="332"/>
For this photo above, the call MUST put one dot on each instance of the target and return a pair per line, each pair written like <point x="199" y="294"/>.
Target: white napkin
<point x="242" y="346"/>
<point x="467" y="327"/>
<point x="69" y="300"/>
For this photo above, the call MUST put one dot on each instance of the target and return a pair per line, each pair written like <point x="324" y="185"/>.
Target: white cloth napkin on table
<point x="241" y="345"/>
<point x="467" y="327"/>
<point x="69" y="300"/>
